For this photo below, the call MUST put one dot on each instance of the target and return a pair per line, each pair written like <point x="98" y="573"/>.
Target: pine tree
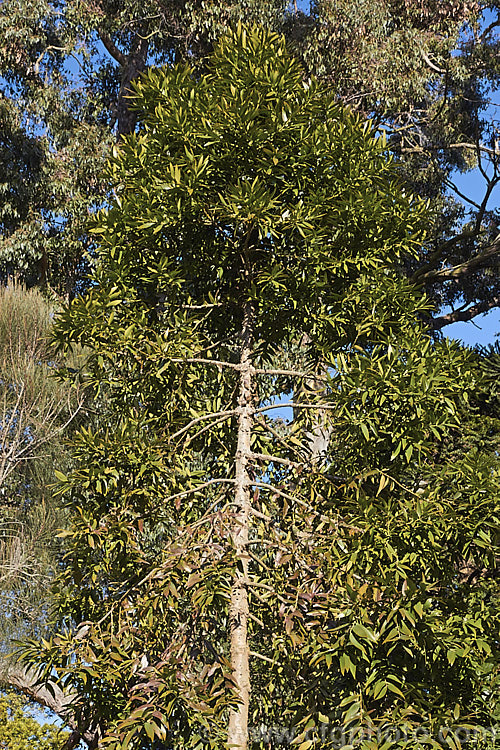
<point x="37" y="414"/>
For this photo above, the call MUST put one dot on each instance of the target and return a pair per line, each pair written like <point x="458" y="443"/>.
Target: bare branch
<point x="262" y="657"/>
<point x="464" y="315"/>
<point x="449" y="183"/>
<point x="291" y="373"/>
<point x="200" y="487"/>
<point x="113" y="49"/>
<point x="205" y="429"/>
<point x="201" y="360"/>
<point x="262" y="423"/>
<point x="213" y="415"/>
<point x="432" y="66"/>
<point x="294" y="405"/>
<point x="276" y="460"/>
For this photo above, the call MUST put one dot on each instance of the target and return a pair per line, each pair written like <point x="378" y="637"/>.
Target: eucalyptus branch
<point x="484" y="258"/>
<point x="113" y="50"/>
<point x="425" y="57"/>
<point x="481" y="148"/>
<point x="449" y="183"/>
<point x="465" y="315"/>
<point x="482" y="209"/>
<point x="488" y="30"/>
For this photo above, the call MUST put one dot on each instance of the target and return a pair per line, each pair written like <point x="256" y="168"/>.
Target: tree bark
<point x="132" y="65"/>
<point x="238" y="606"/>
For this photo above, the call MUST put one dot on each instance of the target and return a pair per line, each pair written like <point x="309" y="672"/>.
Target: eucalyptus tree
<point x="221" y="576"/>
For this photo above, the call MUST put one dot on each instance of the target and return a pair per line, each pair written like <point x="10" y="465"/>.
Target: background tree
<point x="19" y="730"/>
<point x="36" y="413"/>
<point x="218" y="574"/>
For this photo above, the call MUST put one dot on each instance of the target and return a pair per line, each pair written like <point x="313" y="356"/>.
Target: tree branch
<point x="304" y="504"/>
<point x="432" y="66"/>
<point x="213" y="415"/>
<point x="295" y="405"/>
<point x="486" y="258"/>
<point x="291" y="373"/>
<point x="201" y="360"/>
<point x="198" y="488"/>
<point x="276" y="460"/>
<point x="461" y="316"/>
<point x="112" y="48"/>
<point x="262" y="657"/>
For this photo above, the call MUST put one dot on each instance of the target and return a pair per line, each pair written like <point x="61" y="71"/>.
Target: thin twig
<point x="200" y="487"/>
<point x="262" y="657"/>
<point x="213" y="415"/>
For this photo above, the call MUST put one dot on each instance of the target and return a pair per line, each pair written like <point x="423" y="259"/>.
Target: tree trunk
<point x="136" y="64"/>
<point x="131" y="66"/>
<point x="238" y="606"/>
<point x="318" y="439"/>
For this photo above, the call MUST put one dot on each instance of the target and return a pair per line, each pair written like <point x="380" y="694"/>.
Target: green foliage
<point x="251" y="210"/>
<point x="424" y="70"/>
<point x="19" y="730"/>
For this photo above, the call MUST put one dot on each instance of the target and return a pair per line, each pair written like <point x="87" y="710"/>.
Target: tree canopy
<point x="223" y="573"/>
<point x="425" y="71"/>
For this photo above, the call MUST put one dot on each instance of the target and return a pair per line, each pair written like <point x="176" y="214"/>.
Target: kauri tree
<point x="232" y="566"/>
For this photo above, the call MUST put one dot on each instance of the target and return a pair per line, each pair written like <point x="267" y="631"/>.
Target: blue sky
<point x="484" y="328"/>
